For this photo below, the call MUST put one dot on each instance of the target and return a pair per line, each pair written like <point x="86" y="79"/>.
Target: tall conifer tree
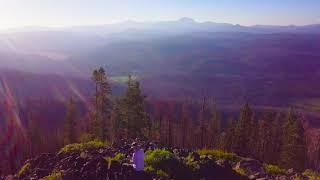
<point x="293" y="153"/>
<point x="184" y="124"/>
<point x="119" y="127"/>
<point x="214" y="127"/>
<point x="277" y="137"/>
<point x="243" y="131"/>
<point x="265" y="148"/>
<point x="70" y="122"/>
<point x="134" y="114"/>
<point x="102" y="105"/>
<point x="229" y="135"/>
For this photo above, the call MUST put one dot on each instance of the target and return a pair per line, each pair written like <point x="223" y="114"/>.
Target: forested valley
<point x="273" y="137"/>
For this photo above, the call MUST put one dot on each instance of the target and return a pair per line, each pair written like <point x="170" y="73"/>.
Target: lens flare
<point x="12" y="106"/>
<point x="78" y="94"/>
<point x="14" y="133"/>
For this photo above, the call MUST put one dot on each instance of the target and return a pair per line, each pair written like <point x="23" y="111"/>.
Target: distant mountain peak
<point x="186" y="20"/>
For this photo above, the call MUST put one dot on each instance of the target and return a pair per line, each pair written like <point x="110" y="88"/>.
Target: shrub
<point x="158" y="158"/>
<point x="311" y="174"/>
<point x="149" y="169"/>
<point x="55" y="175"/>
<point x="191" y="163"/>
<point x="165" y="164"/>
<point x="162" y="173"/>
<point x="93" y="144"/>
<point x="159" y="173"/>
<point x="241" y="171"/>
<point x="273" y="169"/>
<point x="82" y="146"/>
<point x="117" y="157"/>
<point x="24" y="169"/>
<point x="218" y="154"/>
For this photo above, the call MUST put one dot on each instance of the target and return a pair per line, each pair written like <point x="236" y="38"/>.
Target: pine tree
<point x="147" y="131"/>
<point x="34" y="133"/>
<point x="184" y="124"/>
<point x="277" y="137"/>
<point x="70" y="123"/>
<point x="316" y="161"/>
<point x="169" y="120"/>
<point x="229" y="136"/>
<point x="134" y="114"/>
<point x="203" y="124"/>
<point x="214" y="128"/>
<point x="293" y="154"/>
<point x="155" y="132"/>
<point x="158" y="122"/>
<point x="253" y="138"/>
<point x="119" y="127"/>
<point x="102" y="96"/>
<point x="187" y="127"/>
<point x="265" y="137"/>
<point x="243" y="131"/>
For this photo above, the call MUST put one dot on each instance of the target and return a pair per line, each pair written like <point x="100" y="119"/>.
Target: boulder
<point x="41" y="172"/>
<point x="224" y="163"/>
<point x="259" y="176"/>
<point x="252" y="166"/>
<point x="209" y="169"/>
<point x="11" y="177"/>
<point x="195" y="156"/>
<point x="290" y="172"/>
<point x="282" y="177"/>
<point x="102" y="169"/>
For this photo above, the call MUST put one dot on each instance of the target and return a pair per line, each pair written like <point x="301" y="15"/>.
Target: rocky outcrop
<point x="91" y="164"/>
<point x="77" y="166"/>
<point x="255" y="170"/>
<point x="251" y="165"/>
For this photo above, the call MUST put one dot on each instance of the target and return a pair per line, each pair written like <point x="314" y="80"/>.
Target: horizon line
<point x="17" y="28"/>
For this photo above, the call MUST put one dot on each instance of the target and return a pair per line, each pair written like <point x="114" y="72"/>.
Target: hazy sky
<point x="16" y="13"/>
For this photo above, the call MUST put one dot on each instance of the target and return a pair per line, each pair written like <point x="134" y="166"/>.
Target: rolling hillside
<point x="267" y="65"/>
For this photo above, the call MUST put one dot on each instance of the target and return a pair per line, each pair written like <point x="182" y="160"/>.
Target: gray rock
<point x="252" y="177"/>
<point x="11" y="177"/>
<point x="224" y="163"/>
<point x="251" y="165"/>
<point x="290" y="172"/>
<point x="282" y="177"/>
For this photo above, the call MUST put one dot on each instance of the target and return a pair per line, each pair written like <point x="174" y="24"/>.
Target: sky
<point x="56" y="13"/>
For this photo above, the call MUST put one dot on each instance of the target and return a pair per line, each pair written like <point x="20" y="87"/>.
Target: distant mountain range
<point x="182" y="25"/>
<point x="268" y="65"/>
